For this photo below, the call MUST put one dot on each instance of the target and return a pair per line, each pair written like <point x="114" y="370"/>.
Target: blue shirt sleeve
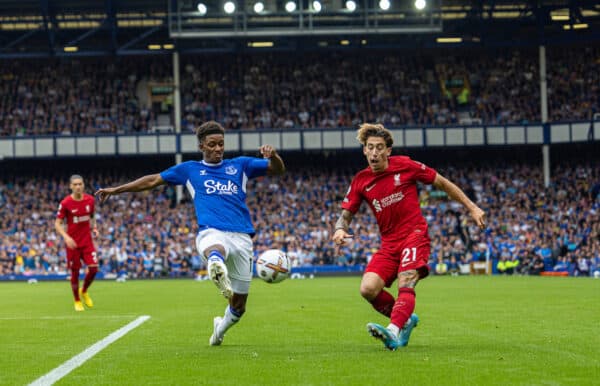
<point x="175" y="175"/>
<point x="255" y="167"/>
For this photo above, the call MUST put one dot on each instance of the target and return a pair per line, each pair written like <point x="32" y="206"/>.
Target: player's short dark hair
<point x="208" y="128"/>
<point x="367" y="130"/>
<point x="75" y="177"/>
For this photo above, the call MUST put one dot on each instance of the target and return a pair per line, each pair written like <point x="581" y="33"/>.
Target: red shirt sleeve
<point x="62" y="210"/>
<point x="422" y="172"/>
<point x="353" y="197"/>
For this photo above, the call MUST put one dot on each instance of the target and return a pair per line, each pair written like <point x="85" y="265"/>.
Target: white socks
<point x="393" y="329"/>
<point x="229" y="319"/>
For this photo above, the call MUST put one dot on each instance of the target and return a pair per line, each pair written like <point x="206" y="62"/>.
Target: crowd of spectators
<point x="531" y="227"/>
<point x="299" y="90"/>
<point x="78" y="96"/>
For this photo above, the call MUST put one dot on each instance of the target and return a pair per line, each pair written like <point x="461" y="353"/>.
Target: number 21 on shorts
<point x="409" y="255"/>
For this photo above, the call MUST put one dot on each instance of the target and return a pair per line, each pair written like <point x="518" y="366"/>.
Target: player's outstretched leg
<point x="216" y="338"/>
<point x="217" y="271"/>
<point x="222" y="324"/>
<point x="389" y="338"/>
<point x="405" y="332"/>
<point x="87" y="300"/>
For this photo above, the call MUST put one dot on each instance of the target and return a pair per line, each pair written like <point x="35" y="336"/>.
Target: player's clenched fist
<point x="267" y="151"/>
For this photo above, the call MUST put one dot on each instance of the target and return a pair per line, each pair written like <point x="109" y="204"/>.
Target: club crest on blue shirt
<point x="230" y="170"/>
<point x="202" y="172"/>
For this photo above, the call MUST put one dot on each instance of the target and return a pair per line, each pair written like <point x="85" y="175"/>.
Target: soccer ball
<point x="273" y="266"/>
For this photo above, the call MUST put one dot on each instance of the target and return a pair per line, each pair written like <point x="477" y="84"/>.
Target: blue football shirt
<point x="219" y="190"/>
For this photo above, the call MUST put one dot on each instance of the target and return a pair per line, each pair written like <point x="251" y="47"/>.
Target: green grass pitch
<point x="473" y="331"/>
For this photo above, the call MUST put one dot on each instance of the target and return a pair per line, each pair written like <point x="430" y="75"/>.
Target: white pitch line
<point x="78" y="317"/>
<point x="79" y="359"/>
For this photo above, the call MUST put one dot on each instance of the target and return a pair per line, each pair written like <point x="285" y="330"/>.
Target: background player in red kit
<point x="389" y="186"/>
<point x="78" y="209"/>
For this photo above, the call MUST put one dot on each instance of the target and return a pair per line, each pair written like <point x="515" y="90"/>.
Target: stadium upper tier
<point x="301" y="90"/>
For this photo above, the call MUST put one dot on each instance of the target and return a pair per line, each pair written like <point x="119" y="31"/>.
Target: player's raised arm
<point x="276" y="165"/>
<point x="147" y="182"/>
<point x="455" y="193"/>
<point x="342" y="225"/>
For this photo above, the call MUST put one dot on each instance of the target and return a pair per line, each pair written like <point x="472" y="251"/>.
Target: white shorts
<point x="238" y="255"/>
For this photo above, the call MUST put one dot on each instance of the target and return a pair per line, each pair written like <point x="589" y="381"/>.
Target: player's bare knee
<point x="371" y="285"/>
<point x="369" y="291"/>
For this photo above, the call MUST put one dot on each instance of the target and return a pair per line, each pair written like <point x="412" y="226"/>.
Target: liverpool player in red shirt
<point x="78" y="209"/>
<point x="389" y="186"/>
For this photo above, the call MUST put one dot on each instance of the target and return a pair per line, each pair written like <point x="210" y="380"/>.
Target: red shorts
<point x="85" y="253"/>
<point x="410" y="254"/>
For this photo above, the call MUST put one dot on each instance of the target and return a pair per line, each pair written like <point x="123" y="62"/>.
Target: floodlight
<point x="351" y="5"/>
<point x="290" y="6"/>
<point x="259" y="7"/>
<point x="384" y="4"/>
<point x="420" y="4"/>
<point x="229" y="7"/>
<point x="201" y="9"/>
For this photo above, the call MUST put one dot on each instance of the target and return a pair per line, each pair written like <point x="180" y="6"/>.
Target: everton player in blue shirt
<point x="218" y="189"/>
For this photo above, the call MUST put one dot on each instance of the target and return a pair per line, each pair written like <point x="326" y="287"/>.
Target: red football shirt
<point x="392" y="196"/>
<point x="78" y="215"/>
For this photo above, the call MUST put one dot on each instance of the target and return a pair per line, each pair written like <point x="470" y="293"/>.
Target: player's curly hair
<point x="208" y="128"/>
<point x="367" y="130"/>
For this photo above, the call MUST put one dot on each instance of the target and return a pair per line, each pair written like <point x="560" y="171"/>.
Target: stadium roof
<point x="33" y="28"/>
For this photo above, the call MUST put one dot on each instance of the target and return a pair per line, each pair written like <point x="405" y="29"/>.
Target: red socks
<point x="404" y="307"/>
<point x="399" y="310"/>
<point x="75" y="283"/>
<point x="89" y="278"/>
<point x="383" y="303"/>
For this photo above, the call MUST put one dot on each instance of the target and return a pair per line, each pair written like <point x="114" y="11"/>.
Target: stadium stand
<point x="148" y="235"/>
<point x="105" y="83"/>
<point x="78" y="96"/>
<point x="307" y="90"/>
